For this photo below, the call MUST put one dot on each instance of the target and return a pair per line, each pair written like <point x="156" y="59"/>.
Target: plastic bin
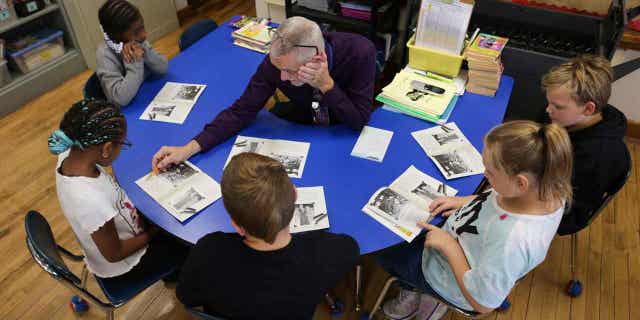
<point x="5" y="76"/>
<point x="43" y="47"/>
<point x="7" y="13"/>
<point x="435" y="61"/>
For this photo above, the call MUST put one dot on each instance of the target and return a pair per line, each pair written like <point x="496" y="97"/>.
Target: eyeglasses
<point x="274" y="35"/>
<point x="126" y="144"/>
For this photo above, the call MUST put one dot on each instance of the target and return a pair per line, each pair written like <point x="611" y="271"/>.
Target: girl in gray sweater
<point x="125" y="58"/>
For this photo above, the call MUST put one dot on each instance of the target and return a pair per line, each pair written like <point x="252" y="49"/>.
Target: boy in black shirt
<point x="262" y="271"/>
<point x="577" y="92"/>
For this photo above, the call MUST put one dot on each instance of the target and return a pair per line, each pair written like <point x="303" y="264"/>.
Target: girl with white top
<point x="110" y="229"/>
<point x="491" y="240"/>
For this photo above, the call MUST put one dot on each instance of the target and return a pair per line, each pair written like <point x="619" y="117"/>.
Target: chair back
<point x="614" y="188"/>
<point x="202" y="315"/>
<point x="44" y="249"/>
<point x="195" y="33"/>
<point x="93" y="88"/>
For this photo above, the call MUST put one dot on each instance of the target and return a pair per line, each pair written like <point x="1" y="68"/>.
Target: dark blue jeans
<point x="404" y="261"/>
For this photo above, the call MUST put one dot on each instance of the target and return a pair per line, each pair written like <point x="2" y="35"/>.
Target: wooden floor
<point x="609" y="260"/>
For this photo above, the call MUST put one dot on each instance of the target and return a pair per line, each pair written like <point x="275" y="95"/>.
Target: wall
<point x="625" y="94"/>
<point x="181" y="4"/>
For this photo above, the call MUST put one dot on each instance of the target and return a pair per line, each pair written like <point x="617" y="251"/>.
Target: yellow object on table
<point x="435" y="61"/>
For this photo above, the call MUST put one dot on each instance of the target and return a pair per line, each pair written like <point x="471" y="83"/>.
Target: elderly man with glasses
<point x="328" y="79"/>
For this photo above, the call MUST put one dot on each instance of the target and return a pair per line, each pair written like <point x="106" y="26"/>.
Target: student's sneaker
<point x="404" y="306"/>
<point x="430" y="308"/>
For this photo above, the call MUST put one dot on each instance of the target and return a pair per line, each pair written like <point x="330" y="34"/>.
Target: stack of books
<point x="406" y="94"/>
<point x="253" y="36"/>
<point x="485" y="66"/>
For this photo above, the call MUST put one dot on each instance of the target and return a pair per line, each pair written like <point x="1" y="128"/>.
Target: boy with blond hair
<point x="578" y="92"/>
<point x="262" y="271"/>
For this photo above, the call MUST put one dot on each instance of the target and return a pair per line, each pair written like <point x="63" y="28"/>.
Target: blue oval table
<point x="348" y="181"/>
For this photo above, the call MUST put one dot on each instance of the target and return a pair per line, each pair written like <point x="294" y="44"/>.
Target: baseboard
<point x="185" y="14"/>
<point x="633" y="129"/>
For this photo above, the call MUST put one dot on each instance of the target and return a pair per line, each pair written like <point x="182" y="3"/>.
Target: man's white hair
<point x="297" y="31"/>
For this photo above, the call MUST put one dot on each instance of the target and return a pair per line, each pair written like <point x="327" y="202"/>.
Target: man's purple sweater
<point x="350" y="101"/>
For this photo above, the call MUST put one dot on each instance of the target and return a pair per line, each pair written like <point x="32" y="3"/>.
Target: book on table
<point x="400" y="206"/>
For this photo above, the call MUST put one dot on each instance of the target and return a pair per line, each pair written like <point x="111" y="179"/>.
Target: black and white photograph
<point x="452" y="163"/>
<point x="186" y="202"/>
<point x="390" y="202"/>
<point x="445" y="138"/>
<point x="248" y="146"/>
<point x="426" y="191"/>
<point x="178" y="173"/>
<point x="303" y="214"/>
<point x="188" y="92"/>
<point x="164" y="111"/>
<point x="291" y="163"/>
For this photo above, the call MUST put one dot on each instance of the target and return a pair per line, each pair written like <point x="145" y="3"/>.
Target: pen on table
<point x="444" y="189"/>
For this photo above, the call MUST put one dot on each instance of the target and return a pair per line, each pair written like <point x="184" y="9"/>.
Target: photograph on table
<point x="452" y="163"/>
<point x="291" y="163"/>
<point x="188" y="92"/>
<point x="186" y="202"/>
<point x="427" y="192"/>
<point x="178" y="173"/>
<point x="303" y="214"/>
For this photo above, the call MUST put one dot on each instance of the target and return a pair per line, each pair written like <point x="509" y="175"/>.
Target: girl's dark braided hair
<point x="117" y="16"/>
<point x="88" y="123"/>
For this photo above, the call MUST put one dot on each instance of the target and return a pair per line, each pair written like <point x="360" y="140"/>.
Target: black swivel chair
<point x="46" y="253"/>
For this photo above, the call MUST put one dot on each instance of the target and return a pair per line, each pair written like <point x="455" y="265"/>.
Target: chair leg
<point x="574" y="252"/>
<point x="84" y="276"/>
<point x="357" y="303"/>
<point x="109" y="314"/>
<point x="381" y="296"/>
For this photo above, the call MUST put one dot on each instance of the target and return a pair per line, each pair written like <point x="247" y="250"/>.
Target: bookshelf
<point x="24" y="87"/>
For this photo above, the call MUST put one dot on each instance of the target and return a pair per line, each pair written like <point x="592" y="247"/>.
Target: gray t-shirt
<point x="501" y="247"/>
<point x="120" y="81"/>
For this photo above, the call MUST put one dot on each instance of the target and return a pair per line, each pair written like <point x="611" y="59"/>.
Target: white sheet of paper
<point x="421" y="188"/>
<point x="396" y="212"/>
<point x="372" y="144"/>
<point x="292" y="154"/>
<point x="183" y="190"/>
<point x="450" y="150"/>
<point x="173" y="103"/>
<point x="442" y="25"/>
<point x="310" y="210"/>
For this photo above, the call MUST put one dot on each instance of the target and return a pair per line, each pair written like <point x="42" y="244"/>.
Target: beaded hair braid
<point x="93" y="122"/>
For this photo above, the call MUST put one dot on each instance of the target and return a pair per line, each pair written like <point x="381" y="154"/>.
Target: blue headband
<point x="59" y="142"/>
